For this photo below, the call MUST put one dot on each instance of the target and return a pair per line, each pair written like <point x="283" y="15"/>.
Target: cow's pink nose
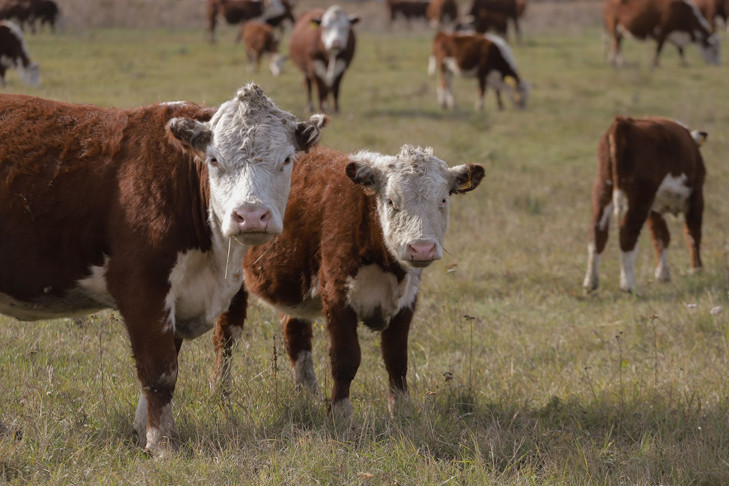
<point x="252" y="220"/>
<point x="421" y="251"/>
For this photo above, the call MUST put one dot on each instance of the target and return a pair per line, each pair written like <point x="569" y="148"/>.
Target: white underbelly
<point x="672" y="195"/>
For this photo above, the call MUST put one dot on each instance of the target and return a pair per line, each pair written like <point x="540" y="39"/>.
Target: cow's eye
<point x="214" y="162"/>
<point x="287" y="161"/>
<point x="391" y="205"/>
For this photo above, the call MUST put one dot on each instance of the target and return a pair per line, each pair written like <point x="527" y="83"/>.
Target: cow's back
<point x="78" y="180"/>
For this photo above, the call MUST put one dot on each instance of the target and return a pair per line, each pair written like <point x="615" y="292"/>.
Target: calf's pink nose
<point x="252" y="220"/>
<point x="421" y="251"/>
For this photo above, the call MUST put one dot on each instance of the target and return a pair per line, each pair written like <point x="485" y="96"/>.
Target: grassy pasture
<point x="516" y="377"/>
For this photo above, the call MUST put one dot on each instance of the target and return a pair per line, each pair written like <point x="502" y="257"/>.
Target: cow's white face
<point x="413" y="191"/>
<point x="249" y="146"/>
<point x="335" y="27"/>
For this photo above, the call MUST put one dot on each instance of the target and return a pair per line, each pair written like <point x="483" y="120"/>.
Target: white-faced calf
<point x="646" y="167"/>
<point x="359" y="230"/>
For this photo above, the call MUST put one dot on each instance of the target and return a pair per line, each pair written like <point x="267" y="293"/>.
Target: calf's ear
<point x="699" y="137"/>
<point x="192" y="134"/>
<point x="308" y="133"/>
<point x="362" y="173"/>
<point x="316" y="22"/>
<point x="465" y="178"/>
<point x="353" y="19"/>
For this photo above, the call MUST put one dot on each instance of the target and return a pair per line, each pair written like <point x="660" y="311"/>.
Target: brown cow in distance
<point x="323" y="52"/>
<point x="677" y="21"/>
<point x="14" y="54"/>
<point x="441" y="12"/>
<point x="359" y="231"/>
<point x="495" y="14"/>
<point x="239" y="11"/>
<point x="486" y="57"/>
<point x="259" y="40"/>
<point x="646" y="167"/>
<point x="145" y="210"/>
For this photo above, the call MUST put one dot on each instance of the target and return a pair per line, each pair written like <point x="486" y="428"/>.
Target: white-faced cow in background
<point x="14" y="54"/>
<point x="259" y="40"/>
<point x="676" y="21"/>
<point x="323" y="52"/>
<point x="359" y="230"/>
<point x="486" y="57"/>
<point x="238" y="11"/>
<point x="646" y="167"/>
<point x="145" y="210"/>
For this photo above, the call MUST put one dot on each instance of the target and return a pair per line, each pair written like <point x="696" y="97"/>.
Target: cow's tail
<point x="618" y="160"/>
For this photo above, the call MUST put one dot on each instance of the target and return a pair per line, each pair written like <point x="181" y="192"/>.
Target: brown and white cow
<point x="407" y="9"/>
<point x="238" y="11"/>
<point x="483" y="56"/>
<point x="44" y="12"/>
<point x="19" y="11"/>
<point x="495" y="14"/>
<point x="359" y="230"/>
<point x="323" y="51"/>
<point x="14" y="54"/>
<point x="676" y="21"/>
<point x="441" y="12"/>
<point x="146" y="210"/>
<point x="259" y="40"/>
<point x="646" y="167"/>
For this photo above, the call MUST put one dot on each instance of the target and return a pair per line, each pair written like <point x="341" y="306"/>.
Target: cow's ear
<point x="191" y="133"/>
<point x="464" y="178"/>
<point x="308" y="133"/>
<point x="362" y="173"/>
<point x="699" y="137"/>
<point x="316" y="22"/>
<point x="353" y="19"/>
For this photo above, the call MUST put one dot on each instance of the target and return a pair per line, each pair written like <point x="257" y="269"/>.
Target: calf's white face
<point x="249" y="146"/>
<point x="335" y="27"/>
<point x="413" y="190"/>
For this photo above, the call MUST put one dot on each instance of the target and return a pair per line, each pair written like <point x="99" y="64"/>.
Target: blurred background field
<point x="516" y="376"/>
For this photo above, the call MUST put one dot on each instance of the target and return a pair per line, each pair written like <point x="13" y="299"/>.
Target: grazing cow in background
<point x="711" y="9"/>
<point x="323" y="52"/>
<point x="19" y="11"/>
<point x="442" y="12"/>
<point x="486" y="57"/>
<point x="359" y="230"/>
<point x="646" y="167"/>
<point x="14" y="54"/>
<point x="678" y="21"/>
<point x="408" y="9"/>
<point x="495" y="14"/>
<point x="165" y="200"/>
<point x="258" y="39"/>
<point x="45" y="12"/>
<point x="238" y="11"/>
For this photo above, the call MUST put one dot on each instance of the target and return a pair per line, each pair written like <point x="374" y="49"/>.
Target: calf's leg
<point x="344" y="356"/>
<point x="661" y="238"/>
<point x="692" y="232"/>
<point x="297" y="339"/>
<point x="227" y="331"/>
<point x="394" y="344"/>
<point x="602" y="211"/>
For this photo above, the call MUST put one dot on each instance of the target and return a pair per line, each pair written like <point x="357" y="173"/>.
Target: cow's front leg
<point x="481" y="93"/>
<point x="659" y="45"/>
<point x="335" y="92"/>
<point x="309" y="102"/>
<point x="344" y="355"/>
<point x="228" y="329"/>
<point x="394" y="343"/>
<point x="297" y="339"/>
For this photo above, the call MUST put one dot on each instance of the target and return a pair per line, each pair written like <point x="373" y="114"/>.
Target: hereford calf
<point x="323" y="53"/>
<point x="14" y="54"/>
<point x="486" y="57"/>
<point x="678" y="21"/>
<point x="442" y="12"/>
<point x="145" y="210"/>
<point x="359" y="230"/>
<point x="646" y="167"/>
<point x="238" y="11"/>
<point x="259" y="39"/>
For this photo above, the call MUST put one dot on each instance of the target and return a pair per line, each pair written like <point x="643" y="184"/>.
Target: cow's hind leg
<point x="661" y="239"/>
<point x="694" y="217"/>
<point x="297" y="339"/>
<point x="602" y="211"/>
<point x="630" y="228"/>
<point x="228" y="329"/>
<point x="394" y="343"/>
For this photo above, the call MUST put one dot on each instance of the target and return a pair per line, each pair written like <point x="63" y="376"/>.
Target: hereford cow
<point x="238" y="11"/>
<point x="259" y="40"/>
<point x="646" y="167"/>
<point x="165" y="200"/>
<point x="45" y="12"/>
<point x="408" y="9"/>
<point x="14" y="54"/>
<point x="359" y="230"/>
<point x="486" y="57"/>
<point x="19" y="11"/>
<point x="323" y="53"/>
<point x="442" y="12"/>
<point x="495" y="14"/>
<point x="678" y="21"/>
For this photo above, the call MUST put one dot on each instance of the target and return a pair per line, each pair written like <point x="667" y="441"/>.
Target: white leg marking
<point x="627" y="269"/>
<point x="662" y="272"/>
<point x="620" y="205"/>
<point x="342" y="410"/>
<point x="140" y="419"/>
<point x="592" y="278"/>
<point x="160" y="441"/>
<point x="304" y="374"/>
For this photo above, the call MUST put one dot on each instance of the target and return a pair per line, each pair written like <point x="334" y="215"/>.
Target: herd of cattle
<point x="175" y="203"/>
